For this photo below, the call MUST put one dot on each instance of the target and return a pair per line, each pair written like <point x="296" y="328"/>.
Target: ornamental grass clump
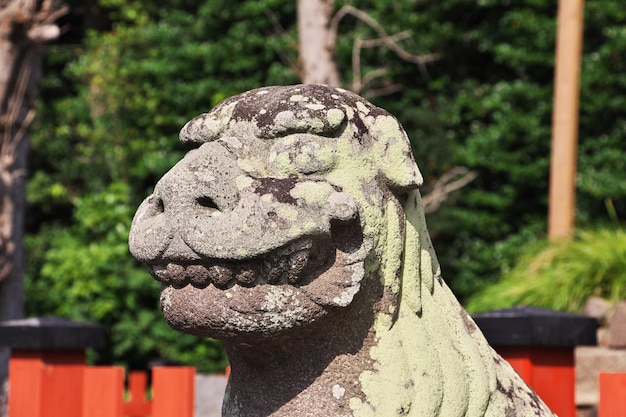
<point x="562" y="275"/>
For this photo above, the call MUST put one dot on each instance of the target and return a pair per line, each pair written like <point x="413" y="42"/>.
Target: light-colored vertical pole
<point x="565" y="119"/>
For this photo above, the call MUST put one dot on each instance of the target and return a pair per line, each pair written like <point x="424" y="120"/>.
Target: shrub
<point x="562" y="275"/>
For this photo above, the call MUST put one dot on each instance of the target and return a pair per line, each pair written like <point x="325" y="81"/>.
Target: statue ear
<point x="396" y="161"/>
<point x="208" y="126"/>
<point x="201" y="129"/>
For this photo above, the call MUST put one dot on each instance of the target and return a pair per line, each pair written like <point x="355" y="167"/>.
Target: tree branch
<point x="391" y="42"/>
<point x="280" y="31"/>
<point x="445" y="185"/>
<point x="36" y="26"/>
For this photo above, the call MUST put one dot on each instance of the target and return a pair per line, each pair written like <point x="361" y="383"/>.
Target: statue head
<point x="278" y="213"/>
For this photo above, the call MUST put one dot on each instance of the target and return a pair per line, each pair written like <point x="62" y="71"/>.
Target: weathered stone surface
<point x="294" y="232"/>
<point x="617" y="326"/>
<point x="590" y="361"/>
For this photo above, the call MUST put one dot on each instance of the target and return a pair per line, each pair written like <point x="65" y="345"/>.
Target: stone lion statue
<point x="294" y="232"/>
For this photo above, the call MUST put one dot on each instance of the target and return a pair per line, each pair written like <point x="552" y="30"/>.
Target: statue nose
<point x="196" y="192"/>
<point x="204" y="181"/>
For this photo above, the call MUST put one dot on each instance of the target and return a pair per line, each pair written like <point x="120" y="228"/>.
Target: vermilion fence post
<point x="46" y="365"/>
<point x="26" y="373"/>
<point x="138" y="404"/>
<point x="103" y="391"/>
<point x="550" y="372"/>
<point x="173" y="391"/>
<point x="62" y="383"/>
<point x="46" y="383"/>
<point x="612" y="393"/>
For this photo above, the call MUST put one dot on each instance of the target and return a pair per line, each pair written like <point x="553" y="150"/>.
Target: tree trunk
<point x="317" y="48"/>
<point x="25" y="25"/>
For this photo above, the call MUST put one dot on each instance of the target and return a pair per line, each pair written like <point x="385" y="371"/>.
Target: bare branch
<point x="356" y="65"/>
<point x="374" y="74"/>
<point x="51" y="11"/>
<point x="400" y="36"/>
<point x="39" y="28"/>
<point x="389" y="40"/>
<point x="383" y="91"/>
<point x="19" y="136"/>
<point x="333" y="26"/>
<point x="16" y="100"/>
<point x="280" y="31"/>
<point x="445" y="185"/>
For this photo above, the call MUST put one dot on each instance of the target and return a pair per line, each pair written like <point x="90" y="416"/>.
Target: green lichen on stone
<point x="252" y="166"/>
<point x="313" y="192"/>
<point x="289" y="213"/>
<point x="282" y="165"/>
<point x="362" y="108"/>
<point x="400" y="383"/>
<point x="335" y="116"/>
<point x="309" y="226"/>
<point x="243" y="181"/>
<point x="315" y="106"/>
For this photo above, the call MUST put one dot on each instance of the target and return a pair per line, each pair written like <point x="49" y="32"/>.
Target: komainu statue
<point x="294" y="232"/>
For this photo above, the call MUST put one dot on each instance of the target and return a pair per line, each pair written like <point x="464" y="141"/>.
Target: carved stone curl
<point x="294" y="232"/>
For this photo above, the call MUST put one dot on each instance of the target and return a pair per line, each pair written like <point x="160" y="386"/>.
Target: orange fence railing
<point x="50" y="385"/>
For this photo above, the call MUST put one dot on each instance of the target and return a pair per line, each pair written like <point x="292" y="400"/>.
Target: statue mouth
<point x="295" y="264"/>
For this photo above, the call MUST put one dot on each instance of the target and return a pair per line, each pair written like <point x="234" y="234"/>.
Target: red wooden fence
<point x="612" y="395"/>
<point x="59" y="384"/>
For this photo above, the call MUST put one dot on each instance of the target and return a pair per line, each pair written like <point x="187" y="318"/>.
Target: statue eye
<point x="311" y="161"/>
<point x="303" y="154"/>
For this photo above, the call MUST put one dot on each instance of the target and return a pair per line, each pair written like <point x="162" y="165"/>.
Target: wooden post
<point x="565" y="119"/>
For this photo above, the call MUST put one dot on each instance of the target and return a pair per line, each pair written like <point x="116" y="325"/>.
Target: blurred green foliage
<point x="562" y="275"/>
<point x="129" y="73"/>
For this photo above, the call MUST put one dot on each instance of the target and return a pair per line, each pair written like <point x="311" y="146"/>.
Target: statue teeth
<point x="273" y="270"/>
<point x="159" y="272"/>
<point x="220" y="275"/>
<point x="284" y="266"/>
<point x="297" y="262"/>
<point x="176" y="273"/>
<point x="246" y="276"/>
<point x="197" y="275"/>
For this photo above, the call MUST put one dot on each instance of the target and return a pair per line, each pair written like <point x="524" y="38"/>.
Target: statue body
<point x="294" y="232"/>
